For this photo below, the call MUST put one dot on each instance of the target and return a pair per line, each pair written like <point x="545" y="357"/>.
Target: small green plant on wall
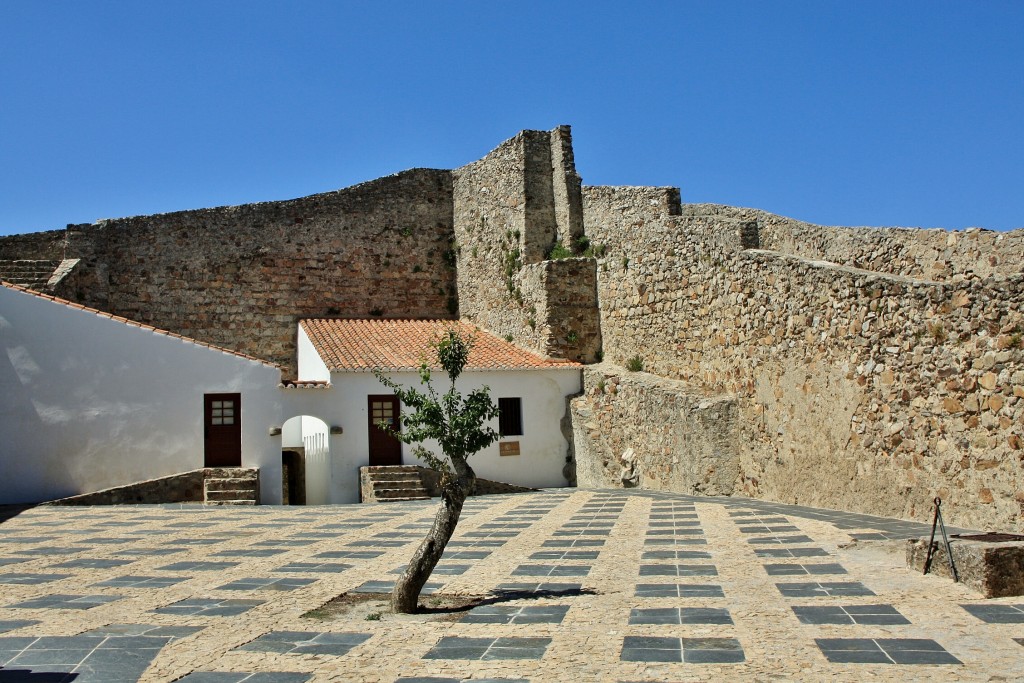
<point x="635" y="364"/>
<point x="559" y="252"/>
<point x="572" y="337"/>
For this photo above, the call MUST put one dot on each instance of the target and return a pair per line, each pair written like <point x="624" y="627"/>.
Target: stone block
<point x="994" y="569"/>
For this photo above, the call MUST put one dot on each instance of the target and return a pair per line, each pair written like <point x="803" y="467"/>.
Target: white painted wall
<point x="543" y="447"/>
<point x="87" y="403"/>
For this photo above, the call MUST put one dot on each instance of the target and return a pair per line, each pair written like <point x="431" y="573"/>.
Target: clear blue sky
<point x="841" y="113"/>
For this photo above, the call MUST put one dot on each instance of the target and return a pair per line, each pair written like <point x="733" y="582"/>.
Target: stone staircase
<point x="231" y="486"/>
<point x="383" y="484"/>
<point x="31" y="274"/>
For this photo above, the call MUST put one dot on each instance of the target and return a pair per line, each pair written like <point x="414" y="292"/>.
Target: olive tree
<point x="459" y="425"/>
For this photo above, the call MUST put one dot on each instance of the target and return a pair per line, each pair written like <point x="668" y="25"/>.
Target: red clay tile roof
<point x="364" y="345"/>
<point x="132" y="323"/>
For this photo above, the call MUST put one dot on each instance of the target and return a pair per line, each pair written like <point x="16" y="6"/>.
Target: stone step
<point x="231" y="484"/>
<point x="406" y="493"/>
<point x="231" y="473"/>
<point x="231" y="494"/>
<point x="411" y="479"/>
<point x="27" y="273"/>
<point x="392" y="468"/>
<point x="230" y="502"/>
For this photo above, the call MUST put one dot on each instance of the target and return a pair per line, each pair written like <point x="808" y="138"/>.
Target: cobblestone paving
<point x="582" y="586"/>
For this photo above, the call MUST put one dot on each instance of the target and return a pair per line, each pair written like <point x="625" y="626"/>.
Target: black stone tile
<point x="142" y="581"/>
<point x="551" y="570"/>
<point x="679" y="615"/>
<point x="442" y="569"/>
<point x="429" y="588"/>
<point x="565" y="555"/>
<point x="285" y="542"/>
<point x="14" y="624"/>
<point x="884" y="651"/>
<point x="510" y="614"/>
<point x="249" y="552"/>
<point x="790" y="552"/>
<point x="266" y="584"/>
<point x="540" y="588"/>
<point x="244" y="677"/>
<point x="675" y="555"/>
<point x="198" y="566"/>
<point x="148" y="552"/>
<point x="650" y="649"/>
<point x="454" y="647"/>
<point x="301" y="642"/>
<point x="63" y="601"/>
<point x="209" y="607"/>
<point x="678" y="590"/>
<point x="997" y="614"/>
<point x="318" y="567"/>
<point x="678" y="570"/>
<point x="673" y="540"/>
<point x="31" y="579"/>
<point x="51" y="550"/>
<point x="349" y="554"/>
<point x="91" y="563"/>
<point x="198" y="540"/>
<point x="712" y="651"/>
<point x="172" y="632"/>
<point x="875" y="615"/>
<point x="382" y="543"/>
<point x="573" y="543"/>
<point x="464" y="554"/>
<point x="819" y="589"/>
<point x="803" y="569"/>
<point x="780" y="540"/>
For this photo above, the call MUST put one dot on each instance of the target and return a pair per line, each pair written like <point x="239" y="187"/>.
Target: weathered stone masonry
<point x="860" y="368"/>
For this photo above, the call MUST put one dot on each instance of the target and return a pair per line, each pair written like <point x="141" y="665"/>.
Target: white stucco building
<point x="530" y="389"/>
<point x="89" y="401"/>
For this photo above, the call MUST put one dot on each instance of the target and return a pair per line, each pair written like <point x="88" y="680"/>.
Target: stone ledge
<point x="995" y="570"/>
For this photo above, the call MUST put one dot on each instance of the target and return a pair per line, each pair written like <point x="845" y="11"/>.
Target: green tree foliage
<point x="459" y="425"/>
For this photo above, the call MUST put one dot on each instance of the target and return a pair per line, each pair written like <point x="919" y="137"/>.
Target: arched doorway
<point x="306" y="458"/>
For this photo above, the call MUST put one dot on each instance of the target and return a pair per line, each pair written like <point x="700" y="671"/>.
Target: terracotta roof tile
<point x="363" y="345"/>
<point x="132" y="323"/>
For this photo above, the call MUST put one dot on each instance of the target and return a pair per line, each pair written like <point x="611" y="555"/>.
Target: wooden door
<point x="384" y="448"/>
<point x="222" y="430"/>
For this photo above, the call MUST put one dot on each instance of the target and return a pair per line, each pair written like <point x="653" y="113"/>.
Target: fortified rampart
<point x="855" y="389"/>
<point x="242" y="276"/>
<point x="868" y="369"/>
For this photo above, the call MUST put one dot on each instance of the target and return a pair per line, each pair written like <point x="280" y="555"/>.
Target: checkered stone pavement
<point x="569" y="584"/>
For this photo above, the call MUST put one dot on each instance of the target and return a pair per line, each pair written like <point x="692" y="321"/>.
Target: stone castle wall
<point x="855" y="389"/>
<point x="511" y="208"/>
<point x="242" y="276"/>
<point x="634" y="429"/>
<point x="933" y="254"/>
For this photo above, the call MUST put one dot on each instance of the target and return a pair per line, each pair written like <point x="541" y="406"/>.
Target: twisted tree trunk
<point x="455" y="487"/>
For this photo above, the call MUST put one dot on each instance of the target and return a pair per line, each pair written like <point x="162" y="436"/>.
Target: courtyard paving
<point x="582" y="585"/>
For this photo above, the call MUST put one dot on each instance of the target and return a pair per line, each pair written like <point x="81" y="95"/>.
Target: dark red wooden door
<point x="384" y="448"/>
<point x="222" y="430"/>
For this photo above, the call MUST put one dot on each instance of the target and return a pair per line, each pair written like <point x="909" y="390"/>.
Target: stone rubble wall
<point x="185" y="487"/>
<point x="856" y="390"/>
<point x="934" y="254"/>
<point x="510" y="208"/>
<point x="241" y="277"/>
<point x="637" y="429"/>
